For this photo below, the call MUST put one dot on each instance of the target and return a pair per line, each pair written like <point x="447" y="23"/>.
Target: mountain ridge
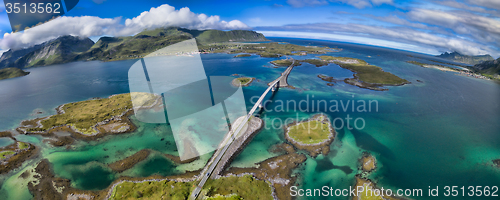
<point x="66" y="49"/>
<point x="471" y="60"/>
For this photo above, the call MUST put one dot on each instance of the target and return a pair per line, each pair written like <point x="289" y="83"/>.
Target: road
<point x="228" y="140"/>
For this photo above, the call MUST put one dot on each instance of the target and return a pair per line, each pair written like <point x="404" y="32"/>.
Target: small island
<point x="368" y="162"/>
<point x="313" y="135"/>
<point x="366" y="75"/>
<point x="328" y="79"/>
<point x="13" y="156"/>
<point x="497" y="163"/>
<point x="242" y="81"/>
<point x="242" y="55"/>
<point x="11" y="72"/>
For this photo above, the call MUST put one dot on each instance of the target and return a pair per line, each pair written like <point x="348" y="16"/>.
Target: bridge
<point x="283" y="79"/>
<point x="238" y="126"/>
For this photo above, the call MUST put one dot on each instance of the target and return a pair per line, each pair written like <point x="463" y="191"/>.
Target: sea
<point x="442" y="129"/>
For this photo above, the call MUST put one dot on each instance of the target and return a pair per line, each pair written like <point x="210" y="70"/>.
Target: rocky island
<point x="13" y="156"/>
<point x="242" y="81"/>
<point x="314" y="135"/>
<point x="497" y="162"/>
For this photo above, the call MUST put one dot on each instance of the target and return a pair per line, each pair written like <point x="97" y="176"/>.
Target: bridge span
<point x="231" y="138"/>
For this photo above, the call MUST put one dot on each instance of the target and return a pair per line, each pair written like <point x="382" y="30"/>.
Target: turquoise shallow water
<point x="443" y="131"/>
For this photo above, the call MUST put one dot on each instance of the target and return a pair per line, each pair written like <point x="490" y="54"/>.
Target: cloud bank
<point x="87" y="26"/>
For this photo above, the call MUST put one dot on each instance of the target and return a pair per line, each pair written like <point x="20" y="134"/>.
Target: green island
<point x="367" y="76"/>
<point x="243" y="81"/>
<point x="231" y="187"/>
<point x="88" y="117"/>
<point x="11" y="72"/>
<point x="313" y="135"/>
<point x="242" y="55"/>
<point x="288" y="62"/>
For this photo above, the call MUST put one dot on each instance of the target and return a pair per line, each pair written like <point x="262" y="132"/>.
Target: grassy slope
<point x="310" y="132"/>
<point x="84" y="115"/>
<point x="244" y="80"/>
<point x="5" y="153"/>
<point x="366" y="72"/>
<point x="11" y="72"/>
<point x="245" y="187"/>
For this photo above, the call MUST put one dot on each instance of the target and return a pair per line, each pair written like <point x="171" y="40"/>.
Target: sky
<point x="469" y="27"/>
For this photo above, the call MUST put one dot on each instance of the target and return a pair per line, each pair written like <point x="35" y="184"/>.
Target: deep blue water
<point x="441" y="131"/>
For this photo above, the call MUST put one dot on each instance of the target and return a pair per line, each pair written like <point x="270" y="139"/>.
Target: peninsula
<point x="11" y="72"/>
<point x="95" y="117"/>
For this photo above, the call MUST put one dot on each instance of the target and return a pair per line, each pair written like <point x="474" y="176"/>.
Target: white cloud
<point x="479" y="27"/>
<point x="87" y="26"/>
<point x="304" y="3"/>
<point x="351" y="39"/>
<point x="493" y="4"/>
<point x="166" y="15"/>
<point x="365" y="3"/>
<point x="396" y="34"/>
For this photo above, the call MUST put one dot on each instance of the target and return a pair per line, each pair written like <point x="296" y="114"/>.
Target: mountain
<point x="68" y="48"/>
<point x="471" y="60"/>
<point x="60" y="50"/>
<point x="12" y="72"/>
<point x="491" y="67"/>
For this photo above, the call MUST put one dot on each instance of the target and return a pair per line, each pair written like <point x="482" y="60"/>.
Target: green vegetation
<point x="233" y="187"/>
<point x="242" y="55"/>
<point x="316" y="62"/>
<point x="490" y="69"/>
<point x="365" y="72"/>
<point x="84" y="115"/>
<point x="310" y="132"/>
<point x="285" y="62"/>
<point x="11" y="72"/>
<point x="216" y="36"/>
<point x="288" y="62"/>
<point x="271" y="50"/>
<point x="3" y="154"/>
<point x="22" y="145"/>
<point x="244" y="80"/>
